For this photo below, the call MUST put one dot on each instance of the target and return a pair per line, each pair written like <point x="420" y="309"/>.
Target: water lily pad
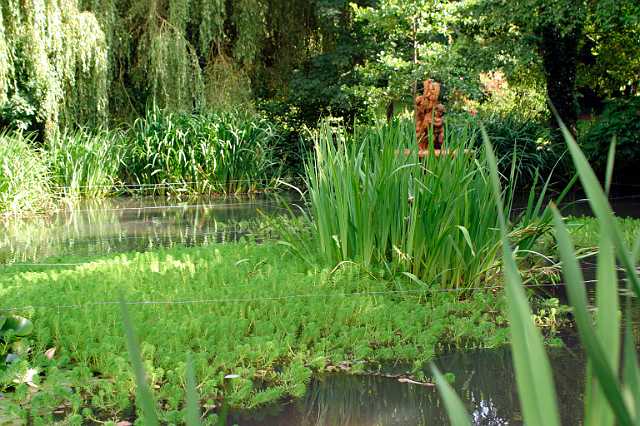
<point x="19" y="325"/>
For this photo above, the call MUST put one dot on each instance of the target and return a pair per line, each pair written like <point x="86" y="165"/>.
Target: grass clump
<point x="261" y="316"/>
<point x="85" y="164"/>
<point x="374" y="202"/>
<point x="24" y="178"/>
<point x="228" y="152"/>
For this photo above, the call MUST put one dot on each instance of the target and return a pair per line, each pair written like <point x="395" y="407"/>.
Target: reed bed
<point x="229" y="152"/>
<point x="24" y="178"/>
<point x="85" y="164"/>
<point x="433" y="219"/>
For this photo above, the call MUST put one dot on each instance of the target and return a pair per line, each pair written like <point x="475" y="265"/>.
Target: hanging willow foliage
<point x="83" y="62"/>
<point x="5" y="65"/>
<point x="58" y="62"/>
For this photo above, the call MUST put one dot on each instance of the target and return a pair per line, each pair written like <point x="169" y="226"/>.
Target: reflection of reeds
<point x="105" y="226"/>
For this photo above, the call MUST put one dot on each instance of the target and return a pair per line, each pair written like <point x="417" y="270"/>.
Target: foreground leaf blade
<point x="578" y="299"/>
<point x="193" y="411"/>
<point x="533" y="372"/>
<point x="458" y="415"/>
<point x="143" y="392"/>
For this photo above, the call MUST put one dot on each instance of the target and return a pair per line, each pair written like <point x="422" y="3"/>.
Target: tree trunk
<point x="560" y="58"/>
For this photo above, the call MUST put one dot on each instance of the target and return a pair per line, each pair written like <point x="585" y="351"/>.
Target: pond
<point x="484" y="378"/>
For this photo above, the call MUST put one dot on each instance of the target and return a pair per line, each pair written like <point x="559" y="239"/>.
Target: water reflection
<point x="126" y="224"/>
<point x="485" y="380"/>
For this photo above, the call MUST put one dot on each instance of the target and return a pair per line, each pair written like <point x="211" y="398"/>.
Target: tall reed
<point x="613" y="381"/>
<point x="24" y="178"/>
<point x="376" y="204"/>
<point x="85" y="164"/>
<point x="229" y="152"/>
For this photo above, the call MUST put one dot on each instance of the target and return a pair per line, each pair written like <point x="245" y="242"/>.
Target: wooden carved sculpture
<point x="429" y="116"/>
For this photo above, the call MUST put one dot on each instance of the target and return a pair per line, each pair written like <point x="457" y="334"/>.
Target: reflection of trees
<point x="106" y="226"/>
<point x="485" y="379"/>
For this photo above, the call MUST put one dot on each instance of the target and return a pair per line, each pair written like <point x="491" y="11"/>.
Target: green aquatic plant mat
<point x="247" y="310"/>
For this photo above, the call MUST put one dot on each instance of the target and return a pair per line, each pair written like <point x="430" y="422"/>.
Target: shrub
<point x="219" y="152"/>
<point x="24" y="179"/>
<point x="620" y="119"/>
<point x="530" y="138"/>
<point x="85" y="164"/>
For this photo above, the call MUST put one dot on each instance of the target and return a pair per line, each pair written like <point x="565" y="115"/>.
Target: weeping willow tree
<point x="84" y="62"/>
<point x="55" y="67"/>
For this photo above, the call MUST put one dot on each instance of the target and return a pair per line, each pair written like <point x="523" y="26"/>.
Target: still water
<point x="484" y="379"/>
<point x="128" y="224"/>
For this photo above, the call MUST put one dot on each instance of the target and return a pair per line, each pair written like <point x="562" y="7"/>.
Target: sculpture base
<point x="436" y="152"/>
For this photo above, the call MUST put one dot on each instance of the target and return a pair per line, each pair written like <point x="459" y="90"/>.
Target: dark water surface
<point x="484" y="379"/>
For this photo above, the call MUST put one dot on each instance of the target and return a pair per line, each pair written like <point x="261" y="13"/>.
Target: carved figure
<point x="429" y="116"/>
<point x="438" y="127"/>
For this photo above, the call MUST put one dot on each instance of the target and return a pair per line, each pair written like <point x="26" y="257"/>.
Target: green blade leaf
<point x="458" y="415"/>
<point x="192" y="403"/>
<point x="610" y="160"/>
<point x="533" y="372"/>
<point x="578" y="299"/>
<point x="143" y="392"/>
<point x="597" y="410"/>
<point x="631" y="373"/>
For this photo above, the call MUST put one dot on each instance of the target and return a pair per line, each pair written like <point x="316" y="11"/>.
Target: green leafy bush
<point x="530" y="139"/>
<point x="620" y="120"/>
<point x="24" y="178"/>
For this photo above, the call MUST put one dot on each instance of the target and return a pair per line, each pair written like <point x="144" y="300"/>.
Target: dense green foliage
<point x="620" y="121"/>
<point x="84" y="62"/>
<point x="262" y="316"/>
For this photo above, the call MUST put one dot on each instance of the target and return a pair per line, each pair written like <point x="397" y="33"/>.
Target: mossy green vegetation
<point x="244" y="309"/>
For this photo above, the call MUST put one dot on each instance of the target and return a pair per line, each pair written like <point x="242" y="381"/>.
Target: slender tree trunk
<point x="560" y="58"/>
